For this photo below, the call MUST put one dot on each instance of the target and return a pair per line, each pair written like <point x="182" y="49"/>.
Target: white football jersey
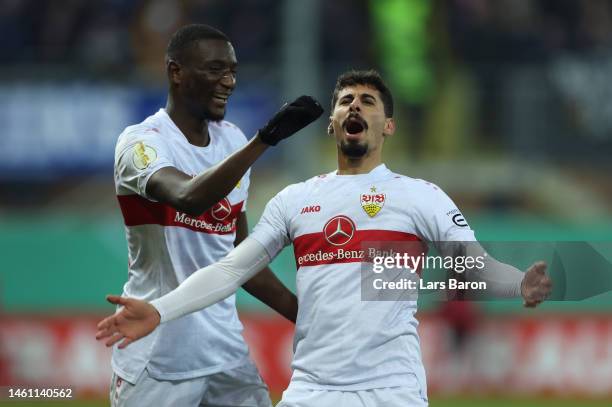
<point x="165" y="246"/>
<point x="342" y="342"/>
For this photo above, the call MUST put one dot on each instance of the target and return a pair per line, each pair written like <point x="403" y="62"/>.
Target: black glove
<point x="290" y="118"/>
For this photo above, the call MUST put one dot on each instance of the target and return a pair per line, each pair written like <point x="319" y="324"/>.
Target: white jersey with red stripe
<point x="165" y="246"/>
<point x="342" y="342"/>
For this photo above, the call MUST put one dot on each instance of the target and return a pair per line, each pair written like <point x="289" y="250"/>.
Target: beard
<point x="353" y="149"/>
<point x="207" y="111"/>
<point x="211" y="113"/>
<point x="214" y="117"/>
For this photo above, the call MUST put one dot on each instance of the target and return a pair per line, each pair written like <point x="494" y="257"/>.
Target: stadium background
<point x="507" y="105"/>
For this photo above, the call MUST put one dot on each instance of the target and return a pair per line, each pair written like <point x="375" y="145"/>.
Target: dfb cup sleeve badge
<point x="373" y="202"/>
<point x="143" y="155"/>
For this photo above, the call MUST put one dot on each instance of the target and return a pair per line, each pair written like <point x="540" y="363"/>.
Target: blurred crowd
<point x="527" y="77"/>
<point x="117" y="37"/>
<point x="536" y="60"/>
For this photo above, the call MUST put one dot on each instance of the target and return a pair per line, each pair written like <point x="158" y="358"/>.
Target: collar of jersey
<point x="179" y="134"/>
<point x="378" y="170"/>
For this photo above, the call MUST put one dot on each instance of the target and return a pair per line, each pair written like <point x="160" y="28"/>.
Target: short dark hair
<point x="368" y="78"/>
<point x="185" y="36"/>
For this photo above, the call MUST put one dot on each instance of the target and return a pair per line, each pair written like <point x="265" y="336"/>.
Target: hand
<point x="536" y="285"/>
<point x="290" y="119"/>
<point x="136" y="319"/>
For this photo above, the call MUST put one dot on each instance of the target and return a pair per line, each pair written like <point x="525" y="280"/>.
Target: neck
<point x="193" y="128"/>
<point x="354" y="166"/>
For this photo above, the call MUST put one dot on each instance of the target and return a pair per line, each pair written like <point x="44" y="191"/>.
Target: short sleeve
<point x="245" y="182"/>
<point x="233" y="135"/>
<point x="272" y="229"/>
<point x="438" y="218"/>
<point x="139" y="157"/>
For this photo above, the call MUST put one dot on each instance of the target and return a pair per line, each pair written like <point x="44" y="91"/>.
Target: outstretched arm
<point x="203" y="288"/>
<point x="441" y="222"/>
<point x="265" y="286"/>
<point x="504" y="280"/>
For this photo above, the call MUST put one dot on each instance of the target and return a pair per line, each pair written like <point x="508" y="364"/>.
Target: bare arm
<point x="265" y="286"/>
<point x="196" y="195"/>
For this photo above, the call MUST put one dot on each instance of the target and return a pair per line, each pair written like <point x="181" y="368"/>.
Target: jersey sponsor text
<point x="181" y="217"/>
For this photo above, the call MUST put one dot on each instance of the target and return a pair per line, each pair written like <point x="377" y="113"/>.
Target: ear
<point x="174" y="72"/>
<point x="330" y="130"/>
<point x="389" y="128"/>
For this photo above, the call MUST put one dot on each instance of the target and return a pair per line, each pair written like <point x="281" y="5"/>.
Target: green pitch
<point x="523" y="402"/>
<point x="451" y="402"/>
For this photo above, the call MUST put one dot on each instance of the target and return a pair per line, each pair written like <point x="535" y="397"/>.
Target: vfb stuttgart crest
<point x="372" y="203"/>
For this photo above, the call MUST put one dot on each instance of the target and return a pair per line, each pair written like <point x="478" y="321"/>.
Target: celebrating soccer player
<point x="181" y="180"/>
<point x="348" y="352"/>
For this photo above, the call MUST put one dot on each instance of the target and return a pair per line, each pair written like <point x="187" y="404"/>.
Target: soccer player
<point x="348" y="352"/>
<point x="181" y="179"/>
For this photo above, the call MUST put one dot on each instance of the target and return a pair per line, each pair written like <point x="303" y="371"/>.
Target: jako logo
<point x="310" y="209"/>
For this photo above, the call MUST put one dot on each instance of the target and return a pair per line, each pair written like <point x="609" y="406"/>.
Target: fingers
<point x="116" y="299"/>
<point x="540" y="292"/>
<point x="107" y="325"/>
<point x="531" y="303"/>
<point x="544" y="286"/>
<point x="535" y="298"/>
<point x="301" y="101"/>
<point x="114" y="339"/>
<point x="290" y="119"/>
<point x="538" y="268"/>
<point x="540" y="263"/>
<point x="103" y="333"/>
<point x="309" y="105"/>
<point x="548" y="285"/>
<point x="538" y="285"/>
<point x="107" y="329"/>
<point x="305" y="100"/>
<point x="125" y="343"/>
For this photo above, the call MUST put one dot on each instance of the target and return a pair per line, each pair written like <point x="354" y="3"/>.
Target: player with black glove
<point x="181" y="180"/>
<point x="290" y="119"/>
<point x="195" y="195"/>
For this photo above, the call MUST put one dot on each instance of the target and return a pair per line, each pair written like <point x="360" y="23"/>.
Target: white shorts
<point x="387" y="397"/>
<point x="239" y="387"/>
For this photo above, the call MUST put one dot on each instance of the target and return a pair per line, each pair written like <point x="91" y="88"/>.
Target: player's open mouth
<point x="354" y="125"/>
